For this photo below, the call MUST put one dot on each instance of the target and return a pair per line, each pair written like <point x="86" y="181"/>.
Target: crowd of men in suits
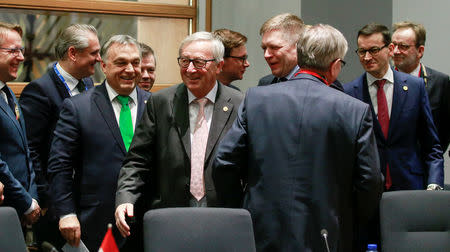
<point x="302" y="152"/>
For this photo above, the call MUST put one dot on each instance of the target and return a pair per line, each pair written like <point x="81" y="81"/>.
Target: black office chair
<point x="415" y="221"/>
<point x="11" y="236"/>
<point x="198" y="229"/>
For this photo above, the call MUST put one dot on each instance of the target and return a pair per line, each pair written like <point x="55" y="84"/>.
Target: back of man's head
<point x="230" y="39"/>
<point x="374" y="28"/>
<point x="290" y="24"/>
<point x="74" y="35"/>
<point x="319" y="46"/>
<point x="418" y="29"/>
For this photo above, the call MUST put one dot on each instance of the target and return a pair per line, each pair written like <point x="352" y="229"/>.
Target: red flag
<point x="108" y="243"/>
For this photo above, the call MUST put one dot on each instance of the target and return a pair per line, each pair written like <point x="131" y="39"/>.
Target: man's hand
<point x="122" y="211"/>
<point x="70" y="230"/>
<point x="1" y="193"/>
<point x="34" y="215"/>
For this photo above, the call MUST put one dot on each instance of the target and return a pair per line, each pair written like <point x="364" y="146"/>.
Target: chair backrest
<point x="198" y="229"/>
<point x="415" y="221"/>
<point x="11" y="236"/>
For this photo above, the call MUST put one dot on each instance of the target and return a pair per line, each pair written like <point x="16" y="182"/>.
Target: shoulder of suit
<point x="265" y="80"/>
<point x="233" y="93"/>
<point x="436" y="74"/>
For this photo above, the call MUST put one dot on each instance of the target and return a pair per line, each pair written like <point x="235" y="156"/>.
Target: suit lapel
<point x="10" y="114"/>
<point x="180" y="115"/>
<point x="398" y="100"/>
<point x="221" y="114"/>
<point x="62" y="90"/>
<point x="104" y="105"/>
<point x="140" y="105"/>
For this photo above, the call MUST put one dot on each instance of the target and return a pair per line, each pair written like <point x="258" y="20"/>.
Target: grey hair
<point x="119" y="39"/>
<point x="74" y="35"/>
<point x="217" y="46"/>
<point x="319" y="45"/>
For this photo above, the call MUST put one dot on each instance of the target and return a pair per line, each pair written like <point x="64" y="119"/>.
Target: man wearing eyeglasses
<point x="408" y="40"/>
<point x="407" y="141"/>
<point x="170" y="158"/>
<point x="235" y="58"/>
<point x="16" y="170"/>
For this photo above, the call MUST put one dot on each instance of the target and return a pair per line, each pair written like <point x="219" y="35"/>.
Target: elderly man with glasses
<point x="170" y="158"/>
<point x="407" y="140"/>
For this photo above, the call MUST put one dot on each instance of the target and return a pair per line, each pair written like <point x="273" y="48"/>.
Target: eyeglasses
<point x="198" y="63"/>
<point x="343" y="63"/>
<point x="243" y="58"/>
<point x="373" y="51"/>
<point x="401" y="47"/>
<point x="14" y="51"/>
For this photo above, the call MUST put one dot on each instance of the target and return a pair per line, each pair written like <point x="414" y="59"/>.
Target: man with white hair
<point x="307" y="170"/>
<point x="171" y="155"/>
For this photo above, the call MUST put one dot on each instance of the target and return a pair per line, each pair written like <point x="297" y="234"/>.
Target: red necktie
<point x="383" y="119"/>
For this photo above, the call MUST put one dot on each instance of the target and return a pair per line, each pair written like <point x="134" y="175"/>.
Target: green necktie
<point x="125" y="122"/>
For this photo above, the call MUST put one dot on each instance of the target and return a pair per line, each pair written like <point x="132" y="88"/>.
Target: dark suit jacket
<point x="41" y="101"/>
<point x="412" y="148"/>
<point x="85" y="159"/>
<point x="310" y="167"/>
<point x="16" y="170"/>
<point x="159" y="156"/>
<point x="438" y="88"/>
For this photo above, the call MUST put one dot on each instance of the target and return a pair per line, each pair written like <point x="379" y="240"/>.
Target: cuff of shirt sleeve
<point x="67" y="215"/>
<point x="432" y="187"/>
<point x="32" y="207"/>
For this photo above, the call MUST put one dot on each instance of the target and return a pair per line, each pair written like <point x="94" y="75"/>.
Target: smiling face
<point x="280" y="54"/>
<point x="376" y="64"/>
<point x="406" y="60"/>
<point x="148" y="72"/>
<point x="200" y="81"/>
<point x="85" y="59"/>
<point x="9" y="63"/>
<point x="122" y="67"/>
<point x="233" y="68"/>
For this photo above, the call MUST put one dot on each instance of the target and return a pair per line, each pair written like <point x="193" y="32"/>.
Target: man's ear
<point x="71" y="53"/>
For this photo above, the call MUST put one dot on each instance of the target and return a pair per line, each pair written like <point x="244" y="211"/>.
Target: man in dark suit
<point x="16" y="170"/>
<point x="408" y="40"/>
<point x="235" y="57"/>
<point x="91" y="139"/>
<point x="308" y="168"/>
<point x="410" y="154"/>
<point x="174" y="145"/>
<point x="77" y="50"/>
<point x="279" y="38"/>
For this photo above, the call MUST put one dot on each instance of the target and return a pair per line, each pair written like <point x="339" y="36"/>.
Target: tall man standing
<point x="410" y="154"/>
<point x="16" y="170"/>
<point x="177" y="139"/>
<point x="308" y="168"/>
<point x="408" y="40"/>
<point x="235" y="57"/>
<point x="91" y="139"/>
<point x="77" y="50"/>
<point x="279" y="39"/>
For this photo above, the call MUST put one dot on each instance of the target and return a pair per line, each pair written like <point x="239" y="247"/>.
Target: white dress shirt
<point x="71" y="81"/>
<point x="132" y="103"/>
<point x="388" y="89"/>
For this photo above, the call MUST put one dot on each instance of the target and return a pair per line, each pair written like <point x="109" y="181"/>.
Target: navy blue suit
<point x="88" y="146"/>
<point x="412" y="147"/>
<point x="304" y="157"/>
<point x="16" y="170"/>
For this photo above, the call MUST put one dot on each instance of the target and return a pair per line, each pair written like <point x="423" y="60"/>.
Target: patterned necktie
<point x="10" y="99"/>
<point x="198" y="150"/>
<point x="81" y="86"/>
<point x="125" y="122"/>
<point x="383" y="119"/>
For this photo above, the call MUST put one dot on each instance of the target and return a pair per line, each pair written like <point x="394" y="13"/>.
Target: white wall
<point x="434" y="15"/>
<point x="246" y="17"/>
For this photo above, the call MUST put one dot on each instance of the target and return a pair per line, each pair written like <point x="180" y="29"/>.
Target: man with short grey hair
<point x="91" y="138"/>
<point x="308" y="170"/>
<point x="171" y="155"/>
<point x="77" y="51"/>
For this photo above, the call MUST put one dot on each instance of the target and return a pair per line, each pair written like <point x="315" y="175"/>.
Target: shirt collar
<point x="113" y="94"/>
<point x="211" y="95"/>
<point x="294" y="70"/>
<point x="2" y="84"/>
<point x="71" y="81"/>
<point x="389" y="76"/>
<point x="416" y="71"/>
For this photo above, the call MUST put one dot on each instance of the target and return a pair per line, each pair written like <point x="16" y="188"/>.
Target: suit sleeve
<point x="431" y="150"/>
<point x="137" y="165"/>
<point x="368" y="179"/>
<point x="63" y="160"/>
<point x="230" y="165"/>
<point x="15" y="195"/>
<point x="36" y="107"/>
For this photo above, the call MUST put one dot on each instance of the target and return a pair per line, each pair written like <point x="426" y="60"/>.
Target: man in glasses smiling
<point x="235" y="59"/>
<point x="407" y="141"/>
<point x="408" y="40"/>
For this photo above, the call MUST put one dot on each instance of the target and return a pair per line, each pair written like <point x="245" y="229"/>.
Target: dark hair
<point x="418" y="29"/>
<point x="230" y="39"/>
<point x="373" y="28"/>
